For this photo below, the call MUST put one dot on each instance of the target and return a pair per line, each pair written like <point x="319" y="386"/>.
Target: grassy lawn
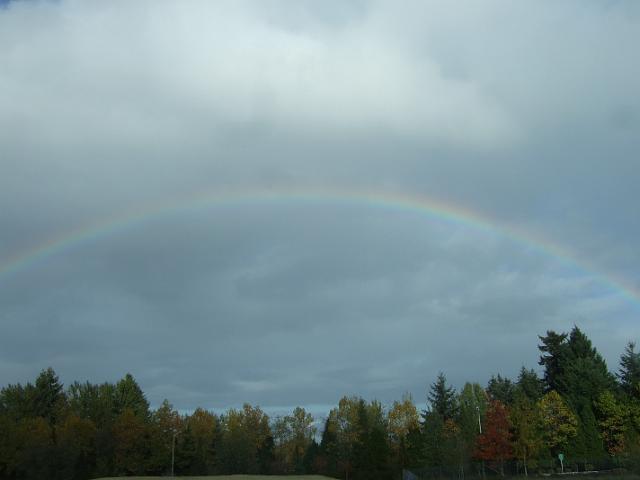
<point x="230" y="477"/>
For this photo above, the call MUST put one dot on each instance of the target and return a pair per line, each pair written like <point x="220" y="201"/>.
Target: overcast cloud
<point x="526" y="113"/>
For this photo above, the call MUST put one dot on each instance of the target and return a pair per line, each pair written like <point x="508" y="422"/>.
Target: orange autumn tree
<point x="494" y="445"/>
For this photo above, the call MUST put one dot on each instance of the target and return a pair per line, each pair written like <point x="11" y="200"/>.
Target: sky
<point x="282" y="203"/>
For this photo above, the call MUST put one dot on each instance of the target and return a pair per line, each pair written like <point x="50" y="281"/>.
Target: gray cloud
<point x="526" y="115"/>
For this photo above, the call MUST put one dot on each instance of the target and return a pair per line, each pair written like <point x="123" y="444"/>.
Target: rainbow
<point x="388" y="200"/>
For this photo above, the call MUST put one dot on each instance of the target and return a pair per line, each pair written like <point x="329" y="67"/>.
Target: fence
<point x="495" y="470"/>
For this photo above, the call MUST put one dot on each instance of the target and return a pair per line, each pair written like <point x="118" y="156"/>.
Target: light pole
<point x="173" y="452"/>
<point x="480" y="429"/>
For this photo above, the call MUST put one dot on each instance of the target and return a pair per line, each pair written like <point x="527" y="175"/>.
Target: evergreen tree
<point x="129" y="395"/>
<point x="554" y="351"/>
<point x="310" y="459"/>
<point x="371" y="452"/>
<point x="328" y="452"/>
<point x="585" y="378"/>
<point x="93" y="402"/>
<point x="378" y="455"/>
<point x="585" y="375"/>
<point x="106" y="430"/>
<point x="187" y="461"/>
<point x="442" y="407"/>
<point x="587" y="444"/>
<point x="629" y="374"/>
<point x="442" y="398"/>
<point x="529" y="385"/>
<point x="501" y="388"/>
<point x="361" y="454"/>
<point x="574" y="367"/>
<point x="14" y="401"/>
<point x="47" y="396"/>
<point x="433" y="439"/>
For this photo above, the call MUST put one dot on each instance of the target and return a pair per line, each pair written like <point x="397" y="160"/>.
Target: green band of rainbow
<point x="415" y="203"/>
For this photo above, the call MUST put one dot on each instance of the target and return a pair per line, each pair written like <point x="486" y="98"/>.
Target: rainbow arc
<point x="423" y="205"/>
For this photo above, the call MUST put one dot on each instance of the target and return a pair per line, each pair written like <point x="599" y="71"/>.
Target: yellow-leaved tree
<point x="558" y="423"/>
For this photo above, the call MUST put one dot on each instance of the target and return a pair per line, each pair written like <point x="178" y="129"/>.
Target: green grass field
<point x="629" y="476"/>
<point x="231" y="477"/>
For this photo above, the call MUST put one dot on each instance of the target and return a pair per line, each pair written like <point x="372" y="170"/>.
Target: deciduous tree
<point x="559" y="424"/>
<point x="293" y="434"/>
<point x="613" y="415"/>
<point x="472" y="407"/>
<point x="164" y="427"/>
<point x="130" y="438"/>
<point x="246" y="444"/>
<point x="527" y="435"/>
<point x="195" y="453"/>
<point x="404" y="425"/>
<point x="76" y="443"/>
<point x="494" y="444"/>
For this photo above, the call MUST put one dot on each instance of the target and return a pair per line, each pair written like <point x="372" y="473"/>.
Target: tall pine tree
<point x="553" y="359"/>
<point x="442" y="398"/>
<point x="442" y="407"/>
<point x="501" y="388"/>
<point x="582" y="376"/>
<point x="529" y="385"/>
<point x="629" y="374"/>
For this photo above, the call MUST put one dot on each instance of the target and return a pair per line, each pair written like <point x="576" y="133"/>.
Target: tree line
<point x="577" y="408"/>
